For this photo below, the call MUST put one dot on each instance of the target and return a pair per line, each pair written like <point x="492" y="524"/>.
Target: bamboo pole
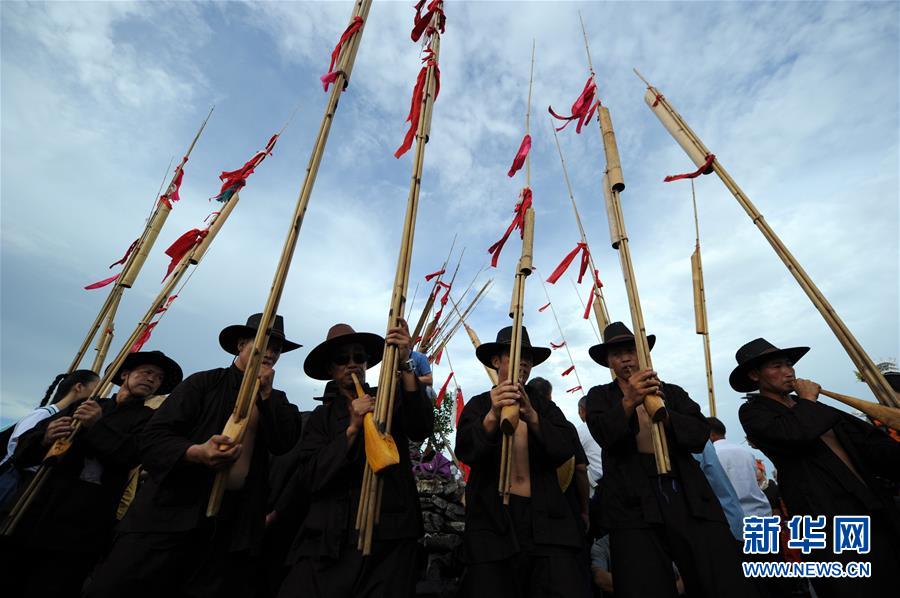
<point x="368" y="513"/>
<point x="250" y="382"/>
<point x="702" y="324"/>
<point x="136" y="259"/>
<point x="476" y="342"/>
<point x="700" y="155"/>
<point x="445" y="339"/>
<point x="584" y="307"/>
<point x="105" y="339"/>
<point x="562" y="336"/>
<point x="429" y="303"/>
<point x="435" y="325"/>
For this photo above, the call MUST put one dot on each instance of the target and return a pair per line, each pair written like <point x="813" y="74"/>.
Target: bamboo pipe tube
<point x="453" y="329"/>
<point x="700" y="319"/>
<point x="492" y="374"/>
<point x="429" y="303"/>
<point x="613" y="165"/>
<point x="695" y="147"/>
<point x="345" y="68"/>
<point x="105" y="340"/>
<point x="615" y="233"/>
<point x="889" y="416"/>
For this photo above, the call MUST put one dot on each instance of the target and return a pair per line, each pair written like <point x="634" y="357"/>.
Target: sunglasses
<point x="344" y="358"/>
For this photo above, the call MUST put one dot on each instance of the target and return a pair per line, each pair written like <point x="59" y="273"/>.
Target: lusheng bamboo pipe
<point x="105" y="340"/>
<point x="429" y="336"/>
<point x="453" y="329"/>
<point x="698" y="152"/>
<point x="136" y="258"/>
<point x="890" y="416"/>
<point x="652" y="403"/>
<point x="250" y="382"/>
<point x="492" y="374"/>
<point x="700" y="319"/>
<point x="429" y="303"/>
<point x="368" y="513"/>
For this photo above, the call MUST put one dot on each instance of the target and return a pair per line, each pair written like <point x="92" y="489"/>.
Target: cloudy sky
<point x="798" y="100"/>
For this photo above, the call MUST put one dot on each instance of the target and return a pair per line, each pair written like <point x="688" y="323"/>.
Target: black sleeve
<point x="473" y="443"/>
<point x="417" y="412"/>
<point x="114" y="438"/>
<point x="280" y="422"/>
<point x="30" y="449"/>
<point x="881" y="453"/>
<point x="606" y="419"/>
<point x="687" y="426"/>
<point x="554" y="435"/>
<point x="788" y="429"/>
<point x="324" y="458"/>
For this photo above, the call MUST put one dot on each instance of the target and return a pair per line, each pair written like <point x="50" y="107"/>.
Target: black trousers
<point x="182" y="564"/>
<point x="38" y="573"/>
<point x="705" y="552"/>
<point x="390" y="571"/>
<point x="536" y="571"/>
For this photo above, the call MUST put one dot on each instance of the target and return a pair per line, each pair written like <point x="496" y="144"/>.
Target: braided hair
<point x="66" y="382"/>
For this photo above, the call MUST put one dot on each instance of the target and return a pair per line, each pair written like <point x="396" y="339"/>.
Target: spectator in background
<point x="590" y="446"/>
<point x="422" y="370"/>
<point x="740" y="466"/>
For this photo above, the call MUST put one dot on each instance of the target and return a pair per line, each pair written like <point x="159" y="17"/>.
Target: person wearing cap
<point x="166" y="545"/>
<point x="655" y="520"/>
<point x="529" y="547"/>
<point x="324" y="558"/>
<point x="71" y="519"/>
<point x="829" y="462"/>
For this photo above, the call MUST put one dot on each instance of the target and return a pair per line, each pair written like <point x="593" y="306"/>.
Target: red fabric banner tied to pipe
<point x="102" y="283"/>
<point x="415" y="109"/>
<point x="590" y="301"/>
<point x="443" y="392"/>
<point x="460" y="405"/>
<point x="564" y="264"/>
<point x="569" y="370"/>
<point x="710" y="158"/>
<point x="518" y="222"/>
<point x="428" y="277"/>
<point x="182" y="245"/>
<point x="437" y="358"/>
<point x="557" y="346"/>
<point x="543" y="307"/>
<point x="127" y="253"/>
<point x="422" y="22"/>
<point x="583" y="108"/>
<point x="142" y="340"/>
<point x="171" y="195"/>
<point x="165" y="306"/>
<point x="331" y="76"/>
<point x="519" y="160"/>
<point x="235" y="180"/>
<point x="574" y="389"/>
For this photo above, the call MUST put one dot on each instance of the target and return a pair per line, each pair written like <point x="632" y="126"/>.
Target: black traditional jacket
<point x="490" y="534"/>
<point x="627" y="497"/>
<point x="331" y="474"/>
<point x="175" y="496"/>
<point x="76" y="509"/>
<point x="813" y="480"/>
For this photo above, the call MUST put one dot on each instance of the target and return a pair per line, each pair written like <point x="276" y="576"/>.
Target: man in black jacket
<point x="529" y="547"/>
<point x="324" y="559"/>
<point x="829" y="463"/>
<point x="70" y="522"/>
<point x="165" y="544"/>
<point x="655" y="520"/>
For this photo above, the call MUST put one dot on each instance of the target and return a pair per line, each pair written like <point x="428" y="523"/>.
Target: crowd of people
<point x="123" y="512"/>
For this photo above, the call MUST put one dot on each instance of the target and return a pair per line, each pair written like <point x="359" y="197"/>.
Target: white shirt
<point x="740" y="466"/>
<point x="25" y="424"/>
<point x="592" y="450"/>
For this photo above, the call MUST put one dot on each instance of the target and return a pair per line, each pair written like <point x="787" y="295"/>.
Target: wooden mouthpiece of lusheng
<point x="214" y="228"/>
<point x="655" y="407"/>
<point x="134" y="265"/>
<point x="613" y="165"/>
<point x="525" y="266"/>
<point x="696" y="152"/>
<point x="615" y="233"/>
<point x="699" y="308"/>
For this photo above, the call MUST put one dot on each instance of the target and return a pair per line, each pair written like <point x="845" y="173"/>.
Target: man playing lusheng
<point x="530" y="547"/>
<point x="829" y="463"/>
<point x="166" y="546"/>
<point x="324" y="559"/>
<point x="657" y="519"/>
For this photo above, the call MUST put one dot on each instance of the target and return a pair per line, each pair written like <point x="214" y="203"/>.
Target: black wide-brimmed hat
<point x="172" y="371"/>
<point x="230" y="335"/>
<point x="615" y="334"/>
<point x="486" y="351"/>
<point x="318" y="360"/>
<point x="755" y="353"/>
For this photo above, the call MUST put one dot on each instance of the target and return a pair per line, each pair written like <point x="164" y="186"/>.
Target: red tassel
<point x="145" y="336"/>
<point x="574" y="389"/>
<point x="331" y="76"/>
<point x="127" y="253"/>
<point x="590" y="301"/>
<point x="582" y="109"/>
<point x="443" y="392"/>
<point x="182" y="245"/>
<point x="415" y="109"/>
<point x="102" y="283"/>
<point x="428" y="277"/>
<point x="559" y="346"/>
<point x="166" y="305"/>
<point x="460" y="405"/>
<point x="564" y="264"/>
<point x="235" y="180"/>
<point x="172" y="193"/>
<point x="692" y="175"/>
<point x="518" y="222"/>
<point x="659" y="96"/>
<point x="519" y="160"/>
<point x="542" y="308"/>
<point x="569" y="370"/>
<point x="437" y="358"/>
<point x="422" y="23"/>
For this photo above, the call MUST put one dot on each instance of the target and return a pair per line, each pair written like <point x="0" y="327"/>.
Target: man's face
<point x="774" y="376"/>
<point x="622" y="359"/>
<point x="501" y="364"/>
<point x="347" y="360"/>
<point x="270" y="358"/>
<point x="144" y="380"/>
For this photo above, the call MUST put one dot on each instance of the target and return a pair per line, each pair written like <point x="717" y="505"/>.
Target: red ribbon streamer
<point x="421" y="23"/>
<point x="182" y="245"/>
<point x="517" y="222"/>
<point x="428" y="277"/>
<point x="166" y="305"/>
<point x="519" y="160"/>
<point x="235" y="180"/>
<point x="145" y="336"/>
<point x="574" y="389"/>
<point x="171" y="195"/>
<point x="331" y="76"/>
<point x="590" y="301"/>
<point x="127" y="253"/>
<point x="460" y="405"/>
<point x="542" y="308"/>
<point x="566" y="262"/>
<point x="443" y="392"/>
<point x="437" y="358"/>
<point x="559" y="346"/>
<point x="569" y="370"/>
<point x="582" y="109"/>
<point x="415" y="109"/>
<point x="102" y="283"/>
<point x="710" y="158"/>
